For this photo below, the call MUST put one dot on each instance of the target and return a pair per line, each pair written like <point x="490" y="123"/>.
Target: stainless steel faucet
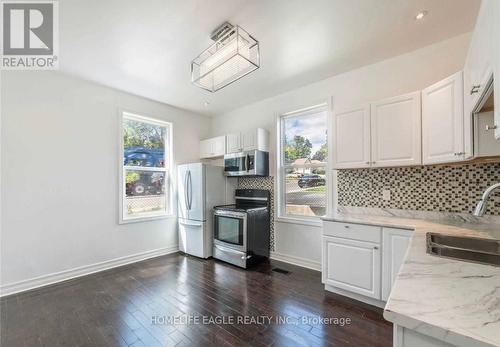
<point x="482" y="204"/>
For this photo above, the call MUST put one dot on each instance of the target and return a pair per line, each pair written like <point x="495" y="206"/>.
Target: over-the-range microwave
<point x="249" y="163"/>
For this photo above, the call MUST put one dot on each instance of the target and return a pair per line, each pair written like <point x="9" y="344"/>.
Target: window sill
<point x="146" y="219"/>
<point x="300" y="221"/>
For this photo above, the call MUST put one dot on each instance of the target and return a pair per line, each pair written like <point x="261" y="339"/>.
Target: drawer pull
<point x="375" y="247"/>
<point x="354" y="231"/>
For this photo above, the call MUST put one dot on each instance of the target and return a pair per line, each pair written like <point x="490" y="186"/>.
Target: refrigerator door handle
<point x="185" y="190"/>
<point x="190" y="190"/>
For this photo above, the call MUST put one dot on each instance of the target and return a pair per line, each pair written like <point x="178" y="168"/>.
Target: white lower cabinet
<point x="404" y="337"/>
<point x="352" y="265"/>
<point x="362" y="259"/>
<point x="395" y="243"/>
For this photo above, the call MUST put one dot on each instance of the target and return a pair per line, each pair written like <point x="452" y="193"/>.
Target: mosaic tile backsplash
<point x="430" y="188"/>
<point x="266" y="183"/>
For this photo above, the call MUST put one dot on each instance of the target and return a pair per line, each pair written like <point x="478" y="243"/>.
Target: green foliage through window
<point x="140" y="134"/>
<point x="321" y="154"/>
<point x="298" y="147"/>
<point x="132" y="176"/>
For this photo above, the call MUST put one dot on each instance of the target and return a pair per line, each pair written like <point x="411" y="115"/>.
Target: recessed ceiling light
<point x="421" y="15"/>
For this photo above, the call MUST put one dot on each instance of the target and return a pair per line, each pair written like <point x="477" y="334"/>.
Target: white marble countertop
<point x="454" y="301"/>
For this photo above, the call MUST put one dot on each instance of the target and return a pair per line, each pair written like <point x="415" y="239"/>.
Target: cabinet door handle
<point x="491" y="127"/>
<point x="346" y="226"/>
<point x="375" y="247"/>
<point x="475" y="89"/>
<point x="367" y="163"/>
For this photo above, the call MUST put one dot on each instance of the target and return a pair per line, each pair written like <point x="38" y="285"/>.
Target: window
<point x="303" y="155"/>
<point x="146" y="152"/>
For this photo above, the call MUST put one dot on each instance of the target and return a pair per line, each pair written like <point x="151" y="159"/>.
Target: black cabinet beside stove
<point x="242" y="230"/>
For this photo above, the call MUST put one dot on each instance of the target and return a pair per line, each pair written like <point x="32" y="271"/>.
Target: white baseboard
<point x="355" y="296"/>
<point x="44" y="280"/>
<point x="303" y="262"/>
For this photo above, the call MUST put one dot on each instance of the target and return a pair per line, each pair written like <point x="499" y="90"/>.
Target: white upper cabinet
<point x="255" y="139"/>
<point x="351" y="148"/>
<point x="480" y="56"/>
<point x="248" y="140"/>
<point x="496" y="64"/>
<point x="443" y="121"/>
<point x="233" y="143"/>
<point x="214" y="147"/>
<point x="396" y="131"/>
<point x="482" y="63"/>
<point x="386" y="133"/>
<point x="205" y="148"/>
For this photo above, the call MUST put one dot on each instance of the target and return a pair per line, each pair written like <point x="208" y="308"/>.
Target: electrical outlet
<point x="386" y="194"/>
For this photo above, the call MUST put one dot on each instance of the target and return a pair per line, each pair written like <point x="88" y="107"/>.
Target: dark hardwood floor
<point x="131" y="305"/>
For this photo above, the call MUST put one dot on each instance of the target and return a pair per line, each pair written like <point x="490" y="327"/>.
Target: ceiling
<point x="146" y="47"/>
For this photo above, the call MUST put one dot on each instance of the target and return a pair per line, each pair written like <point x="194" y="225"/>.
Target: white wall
<point x="406" y="73"/>
<point x="60" y="177"/>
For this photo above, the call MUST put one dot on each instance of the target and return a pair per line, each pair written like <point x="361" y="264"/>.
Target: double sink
<point x="472" y="249"/>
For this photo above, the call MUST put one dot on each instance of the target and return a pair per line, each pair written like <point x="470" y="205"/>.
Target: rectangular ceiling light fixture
<point x="234" y="54"/>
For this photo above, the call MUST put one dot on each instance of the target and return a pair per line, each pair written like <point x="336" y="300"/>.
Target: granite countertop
<point x="454" y="301"/>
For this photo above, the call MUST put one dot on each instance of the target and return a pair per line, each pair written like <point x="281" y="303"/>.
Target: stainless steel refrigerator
<point x="200" y="188"/>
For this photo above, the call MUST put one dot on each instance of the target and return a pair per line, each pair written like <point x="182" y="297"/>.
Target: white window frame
<point x="280" y="167"/>
<point x="167" y="169"/>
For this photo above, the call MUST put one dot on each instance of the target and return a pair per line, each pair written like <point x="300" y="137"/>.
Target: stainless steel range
<point x="241" y="231"/>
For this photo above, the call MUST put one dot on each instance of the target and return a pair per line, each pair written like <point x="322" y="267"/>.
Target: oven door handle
<point x="239" y="215"/>
<point x="230" y="250"/>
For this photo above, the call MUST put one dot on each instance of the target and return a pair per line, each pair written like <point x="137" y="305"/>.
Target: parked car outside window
<point x="311" y="181"/>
